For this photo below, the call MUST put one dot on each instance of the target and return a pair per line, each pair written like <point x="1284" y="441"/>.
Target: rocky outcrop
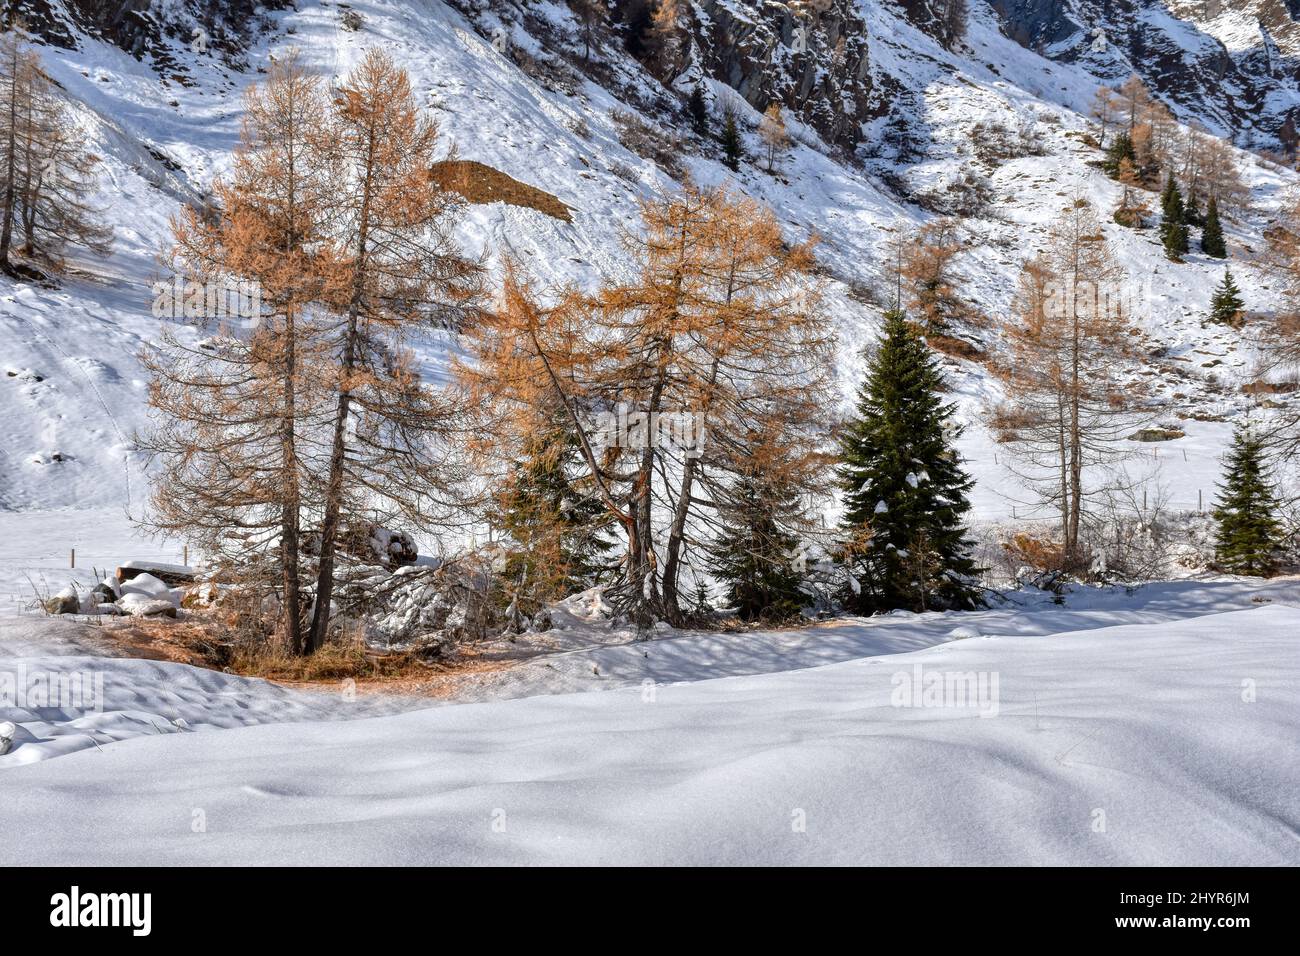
<point x="480" y="184"/>
<point x="811" y="57"/>
<point x="144" y="27"/>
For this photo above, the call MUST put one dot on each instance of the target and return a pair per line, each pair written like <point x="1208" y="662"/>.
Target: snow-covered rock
<point x="142" y="605"/>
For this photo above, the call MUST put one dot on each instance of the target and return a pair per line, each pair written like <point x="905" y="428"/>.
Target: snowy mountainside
<point x="71" y="389"/>
<point x="1233" y="65"/>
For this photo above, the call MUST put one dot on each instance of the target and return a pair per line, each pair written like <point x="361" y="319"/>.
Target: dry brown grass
<point x="207" y="639"/>
<point x="1037" y="553"/>
<point x="955" y="347"/>
<point x="1006" y="421"/>
<point x="481" y="184"/>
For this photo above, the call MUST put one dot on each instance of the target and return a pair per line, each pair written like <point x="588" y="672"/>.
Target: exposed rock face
<point x="1232" y="64"/>
<point x="812" y="57"/>
<point x="142" y="27"/>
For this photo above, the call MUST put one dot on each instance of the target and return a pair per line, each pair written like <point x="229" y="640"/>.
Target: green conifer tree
<point x="703" y="606"/>
<point x="756" y="555"/>
<point x="1121" y="148"/>
<point x="1227" y="305"/>
<point x="732" y="148"/>
<point x="1212" y="242"/>
<point x="557" y="528"/>
<point x="905" y="491"/>
<point x="1173" y="223"/>
<point x="699" y="111"/>
<point x="1247" y="529"/>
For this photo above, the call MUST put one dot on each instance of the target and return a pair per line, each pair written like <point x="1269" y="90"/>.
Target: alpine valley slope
<point x="71" y="388"/>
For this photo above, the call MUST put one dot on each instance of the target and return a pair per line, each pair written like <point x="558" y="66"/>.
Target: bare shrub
<point x="662" y="148"/>
<point x="955" y="347"/>
<point x="968" y="194"/>
<point x="1007" y="421"/>
<point x="552" y="74"/>
<point x="994" y="143"/>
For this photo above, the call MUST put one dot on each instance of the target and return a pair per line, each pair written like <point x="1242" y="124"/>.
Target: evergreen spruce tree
<point x="1227" y="305"/>
<point x="699" y="111"/>
<point x="1173" y="223"/>
<point x="1120" y="149"/>
<point x="702" y="604"/>
<point x="754" y="555"/>
<point x="905" y="489"/>
<point x="558" y="528"/>
<point x="1212" y="243"/>
<point x="732" y="147"/>
<point x="1248" y="532"/>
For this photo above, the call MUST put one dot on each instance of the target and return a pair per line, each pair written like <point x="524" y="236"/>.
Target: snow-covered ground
<point x="1125" y="731"/>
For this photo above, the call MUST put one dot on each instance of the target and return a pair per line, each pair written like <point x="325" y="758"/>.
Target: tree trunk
<point x="334" y="487"/>
<point x="289" y="516"/>
<point x="11" y="160"/>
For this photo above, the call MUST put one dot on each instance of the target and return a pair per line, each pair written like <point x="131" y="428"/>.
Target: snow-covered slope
<point x="71" y="391"/>
<point x="1233" y="65"/>
<point x="1137" y="744"/>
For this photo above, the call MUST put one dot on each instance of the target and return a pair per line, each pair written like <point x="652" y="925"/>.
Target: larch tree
<point x="1219" y="175"/>
<point x="232" y="406"/>
<point x="718" y="336"/>
<point x="17" y="67"/>
<point x="723" y="323"/>
<point x="775" y="137"/>
<point x="46" y="176"/>
<point x="1104" y="111"/>
<point x="1132" y="102"/>
<point x="952" y="16"/>
<point x="393" y="451"/>
<point x="1132" y="210"/>
<point x="928" y="282"/>
<point x="756" y="364"/>
<point x="591" y="14"/>
<point x="1281" y="351"/>
<point x="665" y="37"/>
<point x="1067" y="408"/>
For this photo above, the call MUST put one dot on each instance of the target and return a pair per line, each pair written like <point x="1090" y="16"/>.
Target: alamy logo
<point x="926" y="687"/>
<point x="624" y="428"/>
<point x="75" y="908"/>
<point x="1097" y="300"/>
<point x="217" y="299"/>
<point x="26" y="689"/>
